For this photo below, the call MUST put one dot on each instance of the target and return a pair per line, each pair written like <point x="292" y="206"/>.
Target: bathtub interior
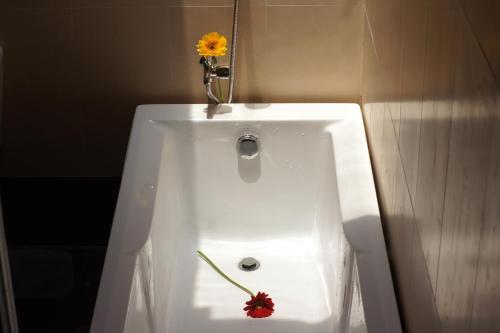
<point x="281" y="208"/>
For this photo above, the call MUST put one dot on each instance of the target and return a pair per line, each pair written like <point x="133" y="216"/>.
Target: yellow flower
<point x="212" y="45"/>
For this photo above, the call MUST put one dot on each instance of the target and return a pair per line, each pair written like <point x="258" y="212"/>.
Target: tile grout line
<point x="372" y="37"/>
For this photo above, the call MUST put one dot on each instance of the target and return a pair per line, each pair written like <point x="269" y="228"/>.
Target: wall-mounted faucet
<point x="212" y="70"/>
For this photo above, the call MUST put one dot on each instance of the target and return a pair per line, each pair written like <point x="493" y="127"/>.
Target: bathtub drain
<point x="249" y="264"/>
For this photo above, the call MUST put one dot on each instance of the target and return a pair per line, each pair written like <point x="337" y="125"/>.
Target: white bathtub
<point x="305" y="208"/>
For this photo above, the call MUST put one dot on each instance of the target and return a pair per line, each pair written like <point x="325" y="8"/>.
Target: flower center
<point x="212" y="46"/>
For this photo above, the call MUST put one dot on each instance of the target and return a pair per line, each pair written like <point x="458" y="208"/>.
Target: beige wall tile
<point x="385" y="24"/>
<point x="374" y="104"/>
<point x="385" y="29"/>
<point x="120" y="58"/>
<point x="388" y="164"/>
<point x="205" y="3"/>
<point x="435" y="131"/>
<point x="424" y="316"/>
<point x="130" y="46"/>
<point x="309" y="49"/>
<point x="187" y="25"/>
<point x="252" y="52"/>
<point x="448" y="96"/>
<point x="40" y="131"/>
<point x="34" y="4"/>
<point x="400" y="227"/>
<point x="484" y="17"/>
<point x="116" y="3"/>
<point x="347" y="3"/>
<point x="412" y="77"/>
<point x="393" y="103"/>
<point x="487" y="291"/>
<point x="373" y="78"/>
<point x="217" y="3"/>
<point x="466" y="183"/>
<point x="382" y="142"/>
<point x="367" y="113"/>
<point x="377" y="121"/>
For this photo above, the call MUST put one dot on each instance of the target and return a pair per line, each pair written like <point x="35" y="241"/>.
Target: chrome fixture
<point x="248" y="146"/>
<point x="249" y="264"/>
<point x="212" y="70"/>
<point x="236" y="14"/>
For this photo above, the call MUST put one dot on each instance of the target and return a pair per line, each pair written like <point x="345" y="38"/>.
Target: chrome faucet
<point x="212" y="70"/>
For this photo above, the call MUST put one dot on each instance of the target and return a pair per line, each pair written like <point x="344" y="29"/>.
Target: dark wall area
<point x="57" y="230"/>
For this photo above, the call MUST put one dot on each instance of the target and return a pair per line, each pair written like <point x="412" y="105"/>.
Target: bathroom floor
<point x="287" y="273"/>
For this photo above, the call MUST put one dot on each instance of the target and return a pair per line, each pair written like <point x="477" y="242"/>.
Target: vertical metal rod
<point x="233" y="50"/>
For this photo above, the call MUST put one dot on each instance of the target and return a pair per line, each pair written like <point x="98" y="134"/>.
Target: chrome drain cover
<point x="249" y="264"/>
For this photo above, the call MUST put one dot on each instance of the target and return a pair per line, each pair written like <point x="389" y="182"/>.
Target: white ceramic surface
<point x="305" y="208"/>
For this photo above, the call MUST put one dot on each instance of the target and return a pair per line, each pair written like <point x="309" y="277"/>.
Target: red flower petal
<point x="260" y="306"/>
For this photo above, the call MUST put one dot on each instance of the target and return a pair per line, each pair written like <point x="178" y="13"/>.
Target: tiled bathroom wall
<point x="76" y="69"/>
<point x="431" y="105"/>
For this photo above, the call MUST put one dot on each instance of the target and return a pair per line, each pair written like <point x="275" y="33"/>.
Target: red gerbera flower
<point x="259" y="306"/>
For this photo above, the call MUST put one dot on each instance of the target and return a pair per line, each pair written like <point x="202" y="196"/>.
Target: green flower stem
<point x="221" y="93"/>
<point x="210" y="262"/>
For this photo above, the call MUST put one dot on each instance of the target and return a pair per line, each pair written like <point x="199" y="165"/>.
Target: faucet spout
<point x="212" y="70"/>
<point x="210" y="93"/>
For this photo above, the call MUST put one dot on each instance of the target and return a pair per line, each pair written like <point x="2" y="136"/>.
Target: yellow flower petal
<point x="212" y="45"/>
